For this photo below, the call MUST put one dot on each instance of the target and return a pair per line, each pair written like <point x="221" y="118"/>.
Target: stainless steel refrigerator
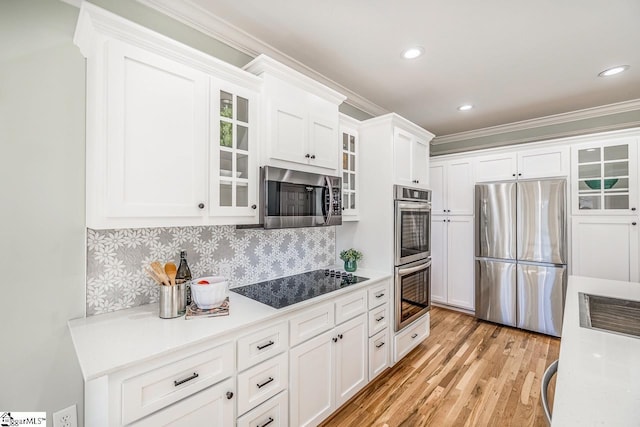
<point x="521" y="253"/>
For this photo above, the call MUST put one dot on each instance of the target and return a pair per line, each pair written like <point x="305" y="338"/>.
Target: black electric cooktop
<point x="285" y="291"/>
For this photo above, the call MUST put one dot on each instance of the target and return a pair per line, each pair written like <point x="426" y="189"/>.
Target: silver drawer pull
<point x="380" y="295"/>
<point x="265" y="383"/>
<point x="192" y="377"/>
<point x="414" y="336"/>
<point x="269" y="421"/>
<point x="261" y="347"/>
<point x="380" y="345"/>
<point x="379" y="318"/>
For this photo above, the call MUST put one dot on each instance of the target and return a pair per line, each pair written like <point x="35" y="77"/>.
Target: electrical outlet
<point x="66" y="417"/>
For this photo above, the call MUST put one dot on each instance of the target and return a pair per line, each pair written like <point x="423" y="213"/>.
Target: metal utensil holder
<point x="173" y="301"/>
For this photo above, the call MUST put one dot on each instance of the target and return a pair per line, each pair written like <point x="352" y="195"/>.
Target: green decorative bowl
<point x="594" y="184"/>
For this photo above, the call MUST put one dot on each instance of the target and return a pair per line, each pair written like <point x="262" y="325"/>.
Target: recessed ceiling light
<point x="412" y="52"/>
<point x="465" y="107"/>
<point x="613" y="71"/>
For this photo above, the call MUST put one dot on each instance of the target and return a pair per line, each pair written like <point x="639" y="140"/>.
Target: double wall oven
<point x="412" y="254"/>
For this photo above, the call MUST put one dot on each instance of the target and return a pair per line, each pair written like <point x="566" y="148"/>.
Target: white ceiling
<point x="512" y="59"/>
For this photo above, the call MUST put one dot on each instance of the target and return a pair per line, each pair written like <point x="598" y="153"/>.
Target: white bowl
<point x="211" y="295"/>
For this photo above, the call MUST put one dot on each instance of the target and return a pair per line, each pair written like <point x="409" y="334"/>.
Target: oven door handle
<point x="330" y="207"/>
<point x="405" y="271"/>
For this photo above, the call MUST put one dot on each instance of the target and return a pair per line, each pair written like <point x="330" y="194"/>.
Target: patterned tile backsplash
<point x="116" y="258"/>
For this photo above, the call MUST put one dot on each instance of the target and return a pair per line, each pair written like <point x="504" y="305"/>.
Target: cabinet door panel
<point x="605" y="248"/>
<point x="156" y="136"/>
<point x="420" y="162"/>
<point x="543" y="163"/>
<point x="289" y="133"/>
<point x="208" y="407"/>
<point x="402" y="157"/>
<point x="496" y="167"/>
<point x="311" y="380"/>
<point x="460" y="247"/>
<point x="379" y="347"/>
<point x="459" y="188"/>
<point x="323" y="142"/>
<point x="437" y="180"/>
<point x="439" y="259"/>
<point x="351" y="359"/>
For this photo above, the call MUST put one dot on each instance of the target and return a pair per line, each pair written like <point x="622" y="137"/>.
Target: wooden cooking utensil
<point x="157" y="268"/>
<point x="171" y="270"/>
<point x="153" y="275"/>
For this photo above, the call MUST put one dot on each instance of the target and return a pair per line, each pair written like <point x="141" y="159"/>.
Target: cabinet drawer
<point x="311" y="322"/>
<point x="378" y="294"/>
<point x="379" y="350"/>
<point x="210" y="407"/>
<point x="272" y="413"/>
<point x="261" y="345"/>
<point x="413" y="335"/>
<point x="153" y="390"/>
<point x="378" y="319"/>
<point x="261" y="382"/>
<point x="351" y="306"/>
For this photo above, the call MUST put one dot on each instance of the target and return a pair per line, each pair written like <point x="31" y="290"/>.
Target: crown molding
<point x="212" y="25"/>
<point x="572" y="116"/>
<point x="393" y="119"/>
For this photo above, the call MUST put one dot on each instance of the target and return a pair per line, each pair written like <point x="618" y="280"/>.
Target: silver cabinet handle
<point x="380" y="345"/>
<point x="265" y="383"/>
<point x="546" y="379"/>
<point x="192" y="377"/>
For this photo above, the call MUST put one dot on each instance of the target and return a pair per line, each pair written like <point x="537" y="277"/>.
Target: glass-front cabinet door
<point x="233" y="180"/>
<point x="604" y="177"/>
<point x="349" y="167"/>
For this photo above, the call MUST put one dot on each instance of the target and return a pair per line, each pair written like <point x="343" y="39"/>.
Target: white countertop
<point x="598" y="380"/>
<point x="109" y="342"/>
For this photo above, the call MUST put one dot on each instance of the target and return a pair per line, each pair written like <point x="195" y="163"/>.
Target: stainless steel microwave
<point x="290" y="198"/>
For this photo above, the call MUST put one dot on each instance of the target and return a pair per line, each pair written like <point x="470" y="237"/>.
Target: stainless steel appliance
<point x="412" y="224"/>
<point x="413" y="291"/>
<point x="412" y="254"/>
<point x="290" y="198"/>
<point x="521" y="255"/>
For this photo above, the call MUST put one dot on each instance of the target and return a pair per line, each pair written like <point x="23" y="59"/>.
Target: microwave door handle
<point x="328" y="216"/>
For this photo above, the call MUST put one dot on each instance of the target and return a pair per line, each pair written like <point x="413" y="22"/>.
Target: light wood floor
<point x="467" y="373"/>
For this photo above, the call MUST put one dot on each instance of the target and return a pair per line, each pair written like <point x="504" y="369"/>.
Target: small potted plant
<point x="350" y="258"/>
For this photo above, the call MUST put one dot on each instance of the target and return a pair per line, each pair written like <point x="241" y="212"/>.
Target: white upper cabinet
<point x="452" y="187"/>
<point x="604" y="177"/>
<point x="411" y="159"/>
<point x="349" y="167"/>
<point x="523" y="164"/>
<point x="301" y="119"/>
<point x="171" y="131"/>
<point x="156" y="136"/>
<point x="543" y="162"/>
<point x="496" y="167"/>
<point x="234" y="147"/>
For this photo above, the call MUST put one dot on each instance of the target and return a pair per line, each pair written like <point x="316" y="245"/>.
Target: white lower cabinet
<point x="259" y="383"/>
<point x="378" y="353"/>
<point x="605" y="247"/>
<point x="213" y="407"/>
<point x="452" y="280"/>
<point x="411" y="337"/>
<point x="157" y="388"/>
<point x="273" y="413"/>
<point x="327" y="370"/>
